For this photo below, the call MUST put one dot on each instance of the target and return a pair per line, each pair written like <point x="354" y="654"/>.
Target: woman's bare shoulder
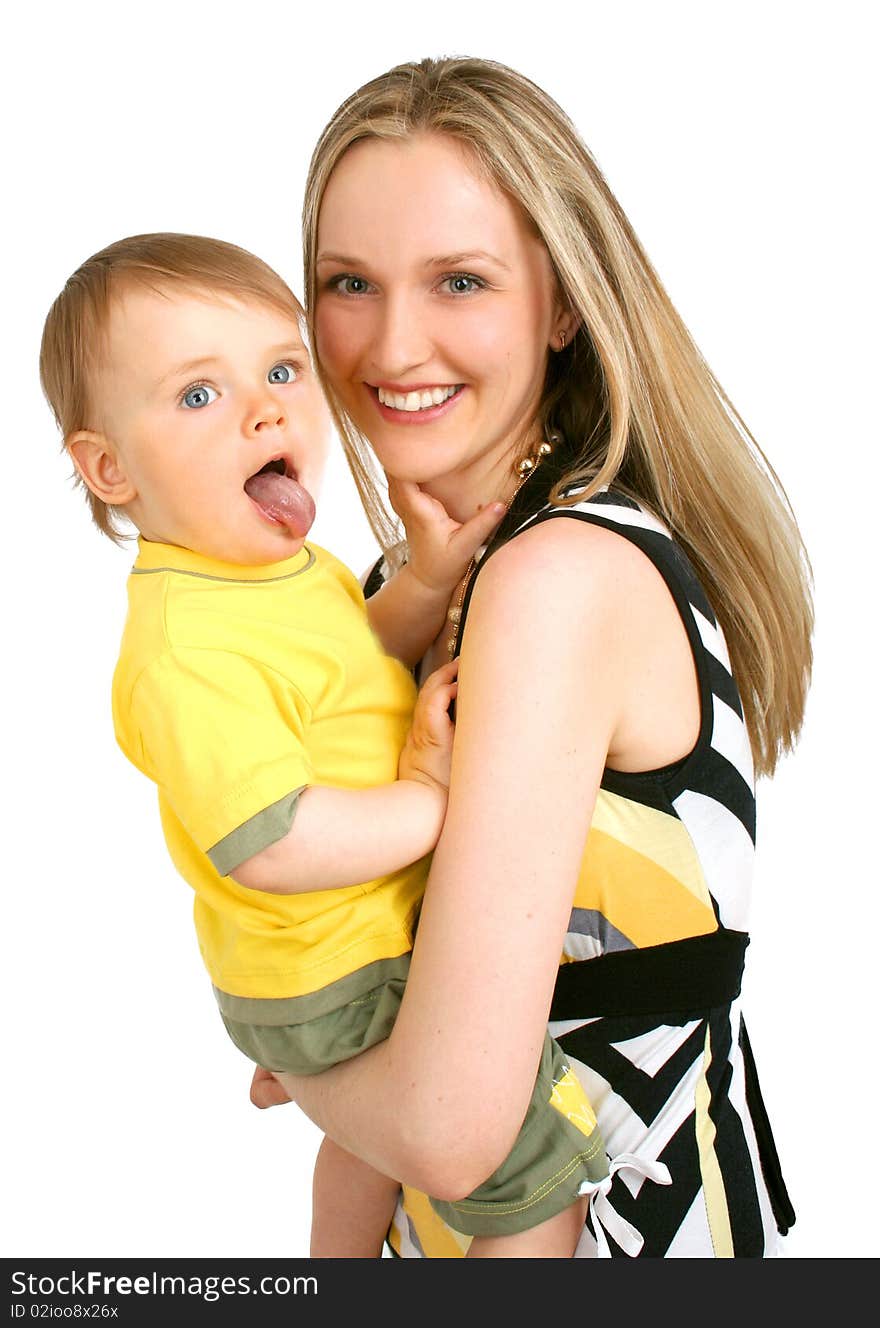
<point x="590" y="601"/>
<point x="555" y="557"/>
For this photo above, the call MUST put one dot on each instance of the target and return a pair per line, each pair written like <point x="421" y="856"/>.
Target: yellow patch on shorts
<point x="569" y="1099"/>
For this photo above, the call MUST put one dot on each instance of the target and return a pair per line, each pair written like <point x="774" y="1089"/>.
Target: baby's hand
<point x="427" y="752"/>
<point x="439" y="549"/>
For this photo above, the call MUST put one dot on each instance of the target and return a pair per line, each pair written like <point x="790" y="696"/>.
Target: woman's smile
<point x="418" y="404"/>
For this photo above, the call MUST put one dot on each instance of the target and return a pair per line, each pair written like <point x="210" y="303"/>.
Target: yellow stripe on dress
<point x="710" y="1168"/>
<point x="438" y="1241"/>
<point x="640" y="898"/>
<point x="656" y="835"/>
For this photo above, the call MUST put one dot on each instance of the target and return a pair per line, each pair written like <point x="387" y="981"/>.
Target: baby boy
<point x="302" y="784"/>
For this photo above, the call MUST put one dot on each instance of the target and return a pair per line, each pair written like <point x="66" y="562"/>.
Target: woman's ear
<point x="566" y="325"/>
<point x="98" y="462"/>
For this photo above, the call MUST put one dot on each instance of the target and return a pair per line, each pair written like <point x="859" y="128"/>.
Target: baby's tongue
<point x="283" y="499"/>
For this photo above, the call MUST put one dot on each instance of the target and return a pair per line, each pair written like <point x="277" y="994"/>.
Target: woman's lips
<point x="424" y="416"/>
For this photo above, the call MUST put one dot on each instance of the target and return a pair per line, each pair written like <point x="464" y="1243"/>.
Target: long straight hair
<point x="631" y="396"/>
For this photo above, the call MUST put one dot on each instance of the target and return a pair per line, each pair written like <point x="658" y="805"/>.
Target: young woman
<point x="637" y="648"/>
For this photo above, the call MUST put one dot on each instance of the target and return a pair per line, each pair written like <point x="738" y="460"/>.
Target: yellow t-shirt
<point x="235" y="688"/>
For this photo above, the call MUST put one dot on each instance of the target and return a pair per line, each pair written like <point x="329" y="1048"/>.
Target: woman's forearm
<point x="363" y="1106"/>
<point x="440" y="1102"/>
<point x="411" y="1117"/>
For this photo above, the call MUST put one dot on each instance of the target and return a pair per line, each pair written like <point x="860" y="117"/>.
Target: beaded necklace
<point x="525" y="469"/>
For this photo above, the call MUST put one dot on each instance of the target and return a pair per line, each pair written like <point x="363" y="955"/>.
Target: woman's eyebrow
<point x="456" y="260"/>
<point x="338" y="258"/>
<point x="442" y="260"/>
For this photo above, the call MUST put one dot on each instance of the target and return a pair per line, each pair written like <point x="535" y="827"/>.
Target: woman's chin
<point x="420" y="461"/>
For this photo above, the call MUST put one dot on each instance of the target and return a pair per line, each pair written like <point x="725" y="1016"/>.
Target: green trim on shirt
<point x="238" y="580"/>
<point x="267" y="827"/>
<point x="277" y="1012"/>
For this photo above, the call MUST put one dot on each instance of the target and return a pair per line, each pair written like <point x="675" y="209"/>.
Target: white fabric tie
<point x="605" y="1218"/>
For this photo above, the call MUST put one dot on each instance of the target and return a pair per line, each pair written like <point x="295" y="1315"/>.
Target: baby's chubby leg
<point x="554" y="1239"/>
<point x="352" y="1206"/>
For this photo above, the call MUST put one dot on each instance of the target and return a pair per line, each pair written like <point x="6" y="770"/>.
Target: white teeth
<point x="413" y="401"/>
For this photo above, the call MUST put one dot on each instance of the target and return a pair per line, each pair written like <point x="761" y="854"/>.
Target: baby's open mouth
<point x="276" y="491"/>
<point x="277" y="467"/>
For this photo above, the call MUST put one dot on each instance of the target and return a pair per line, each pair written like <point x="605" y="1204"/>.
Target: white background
<point x="741" y="140"/>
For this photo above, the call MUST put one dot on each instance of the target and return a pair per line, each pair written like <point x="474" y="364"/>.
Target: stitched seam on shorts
<point x="552" y="1183"/>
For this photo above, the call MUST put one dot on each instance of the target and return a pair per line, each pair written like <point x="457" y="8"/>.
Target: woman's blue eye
<point x="462" y="284"/>
<point x="351" y="285"/>
<point x="282" y="373"/>
<point x="194" y="398"/>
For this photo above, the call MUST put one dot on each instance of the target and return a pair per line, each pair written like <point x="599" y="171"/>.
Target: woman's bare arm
<point x="545" y="678"/>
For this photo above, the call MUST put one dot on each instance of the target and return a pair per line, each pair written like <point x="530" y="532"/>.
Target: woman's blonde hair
<point x="631" y="395"/>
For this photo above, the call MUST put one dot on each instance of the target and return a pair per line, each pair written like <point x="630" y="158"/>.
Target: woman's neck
<point x="486" y="479"/>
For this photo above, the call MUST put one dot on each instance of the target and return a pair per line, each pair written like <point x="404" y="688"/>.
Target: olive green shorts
<point x="558" y="1147"/>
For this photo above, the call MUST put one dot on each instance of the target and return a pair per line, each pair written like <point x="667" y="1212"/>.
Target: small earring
<point x="562" y="341"/>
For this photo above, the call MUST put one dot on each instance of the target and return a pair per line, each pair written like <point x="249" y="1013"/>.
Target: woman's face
<point x="436" y="307"/>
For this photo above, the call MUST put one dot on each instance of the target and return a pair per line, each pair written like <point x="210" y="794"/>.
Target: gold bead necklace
<point x="526" y="467"/>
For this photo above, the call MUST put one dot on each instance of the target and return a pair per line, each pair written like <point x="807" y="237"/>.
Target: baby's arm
<point x="341" y="837"/>
<point x="409" y="610"/>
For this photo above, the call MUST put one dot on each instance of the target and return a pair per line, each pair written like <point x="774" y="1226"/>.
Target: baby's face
<point x="199" y="392"/>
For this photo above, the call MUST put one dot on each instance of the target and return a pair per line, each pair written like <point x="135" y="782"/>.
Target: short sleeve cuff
<point x="257" y="833"/>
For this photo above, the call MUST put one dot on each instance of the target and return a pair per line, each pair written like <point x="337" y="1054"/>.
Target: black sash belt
<point x="679" y="978"/>
<point x="695" y="974"/>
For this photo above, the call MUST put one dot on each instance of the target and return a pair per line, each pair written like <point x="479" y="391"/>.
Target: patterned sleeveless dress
<point x="647" y="999"/>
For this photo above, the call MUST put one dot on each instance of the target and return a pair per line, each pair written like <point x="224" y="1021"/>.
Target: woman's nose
<point x="401" y="339"/>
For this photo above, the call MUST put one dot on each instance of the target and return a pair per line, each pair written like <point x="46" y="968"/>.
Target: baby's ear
<point x="101" y="467"/>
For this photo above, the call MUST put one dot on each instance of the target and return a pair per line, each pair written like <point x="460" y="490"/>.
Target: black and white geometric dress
<point x="647" y="999"/>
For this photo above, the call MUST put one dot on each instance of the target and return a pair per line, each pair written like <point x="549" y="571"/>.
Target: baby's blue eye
<point x="194" y="398"/>
<point x="282" y="373"/>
